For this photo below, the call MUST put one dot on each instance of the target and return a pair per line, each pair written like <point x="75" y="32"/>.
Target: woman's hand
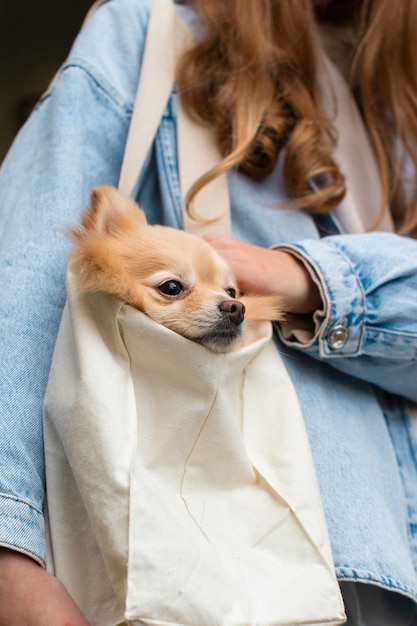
<point x="29" y="596"/>
<point x="264" y="271"/>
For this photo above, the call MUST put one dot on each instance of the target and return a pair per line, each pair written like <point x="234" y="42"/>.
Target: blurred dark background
<point x="35" y="38"/>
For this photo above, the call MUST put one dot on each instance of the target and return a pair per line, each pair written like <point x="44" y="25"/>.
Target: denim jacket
<point x="353" y="378"/>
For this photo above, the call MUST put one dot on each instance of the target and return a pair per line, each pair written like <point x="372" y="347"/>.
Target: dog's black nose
<point x="234" y="309"/>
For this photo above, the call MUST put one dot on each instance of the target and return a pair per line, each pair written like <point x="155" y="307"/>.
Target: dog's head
<point x="175" y="278"/>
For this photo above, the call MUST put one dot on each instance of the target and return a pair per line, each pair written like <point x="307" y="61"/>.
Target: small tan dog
<point x="175" y="278"/>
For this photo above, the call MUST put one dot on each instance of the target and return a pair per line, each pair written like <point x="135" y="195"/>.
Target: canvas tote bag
<point x="181" y="487"/>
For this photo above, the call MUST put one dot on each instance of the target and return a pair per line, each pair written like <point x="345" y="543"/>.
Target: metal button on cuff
<point x="338" y="337"/>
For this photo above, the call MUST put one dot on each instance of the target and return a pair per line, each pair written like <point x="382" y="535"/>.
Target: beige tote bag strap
<point x="197" y="154"/>
<point x="197" y="151"/>
<point x="165" y="32"/>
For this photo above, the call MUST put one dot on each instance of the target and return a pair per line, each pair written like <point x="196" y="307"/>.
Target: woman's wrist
<point x="300" y="292"/>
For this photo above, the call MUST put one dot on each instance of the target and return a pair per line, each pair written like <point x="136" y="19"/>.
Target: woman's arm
<point x="32" y="597"/>
<point x="44" y="183"/>
<point x="366" y="325"/>
<point x="73" y="141"/>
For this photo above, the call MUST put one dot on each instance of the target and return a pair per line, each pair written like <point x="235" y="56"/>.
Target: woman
<point x="311" y="173"/>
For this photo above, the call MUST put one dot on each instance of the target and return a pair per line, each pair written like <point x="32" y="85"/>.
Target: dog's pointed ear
<point x="108" y="208"/>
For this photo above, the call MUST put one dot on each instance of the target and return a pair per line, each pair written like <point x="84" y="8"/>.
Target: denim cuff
<point x="22" y="528"/>
<point x="337" y="330"/>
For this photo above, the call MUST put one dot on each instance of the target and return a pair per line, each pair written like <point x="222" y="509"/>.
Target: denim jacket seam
<point x="406" y="505"/>
<point x="353" y="574"/>
<point x="397" y="410"/>
<point x="393" y="333"/>
<point x="413" y="452"/>
<point x="411" y="436"/>
<point x="123" y="107"/>
<point x="402" y="346"/>
<point x="22" y="501"/>
<point x="169" y="159"/>
<point x="336" y="319"/>
<point x="30" y="541"/>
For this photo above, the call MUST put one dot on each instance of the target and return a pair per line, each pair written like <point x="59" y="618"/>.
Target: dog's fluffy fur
<point x="174" y="277"/>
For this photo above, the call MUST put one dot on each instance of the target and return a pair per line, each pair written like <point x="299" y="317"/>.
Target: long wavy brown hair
<point x="254" y="77"/>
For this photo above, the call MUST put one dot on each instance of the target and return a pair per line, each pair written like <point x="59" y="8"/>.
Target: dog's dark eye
<point x="231" y="292"/>
<point x="171" y="288"/>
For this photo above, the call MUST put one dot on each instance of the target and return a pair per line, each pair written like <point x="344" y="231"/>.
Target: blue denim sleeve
<point x="369" y="328"/>
<point x="73" y="141"/>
